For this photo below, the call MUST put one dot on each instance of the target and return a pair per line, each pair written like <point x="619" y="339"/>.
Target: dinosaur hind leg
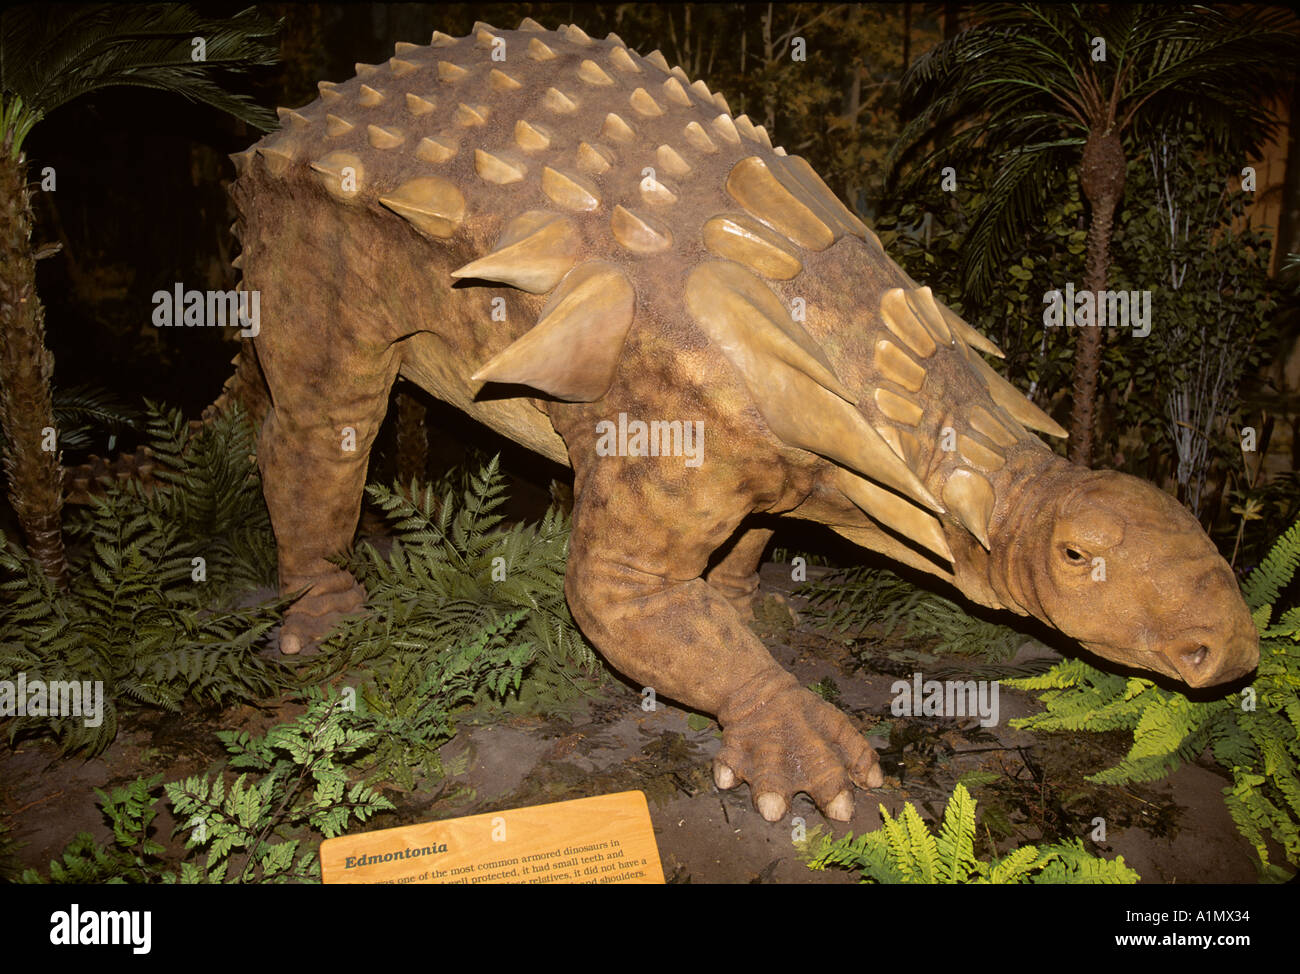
<point x="313" y="454"/>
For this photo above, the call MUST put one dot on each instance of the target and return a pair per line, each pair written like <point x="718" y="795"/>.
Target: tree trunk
<point x="26" y="365"/>
<point x="1101" y="176"/>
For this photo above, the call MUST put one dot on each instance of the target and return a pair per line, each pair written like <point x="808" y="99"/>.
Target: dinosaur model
<point x="584" y="250"/>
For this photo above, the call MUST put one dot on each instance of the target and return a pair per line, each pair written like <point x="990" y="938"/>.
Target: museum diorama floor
<point x="1027" y="785"/>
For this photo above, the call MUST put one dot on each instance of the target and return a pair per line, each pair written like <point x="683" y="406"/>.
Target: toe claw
<point x="290" y="644"/>
<point x="723" y="776"/>
<point x="771" y="806"/>
<point x="875" y="777"/>
<point x="840" y="807"/>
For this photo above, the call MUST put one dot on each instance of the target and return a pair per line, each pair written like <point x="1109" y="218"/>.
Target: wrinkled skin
<point x="663" y="556"/>
<point x="1161" y="598"/>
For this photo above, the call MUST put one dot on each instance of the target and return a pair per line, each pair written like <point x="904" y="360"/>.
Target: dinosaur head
<point x="1122" y="567"/>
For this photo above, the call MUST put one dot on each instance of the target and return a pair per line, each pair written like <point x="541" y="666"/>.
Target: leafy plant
<point x="407" y="708"/>
<point x="150" y="611"/>
<point x="904" y="850"/>
<point x="855" y="598"/>
<point x="1254" y="733"/>
<point x="454" y="570"/>
<point x="295" y="786"/>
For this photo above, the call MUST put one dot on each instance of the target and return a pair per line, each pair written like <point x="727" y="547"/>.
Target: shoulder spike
<point x="640" y="234"/>
<point x="970" y="498"/>
<point x="966" y="333"/>
<point x="899" y="408"/>
<point x="658" y="60"/>
<point x="241" y="161"/>
<point x="401" y="67"/>
<point x="529" y="24"/>
<point x="973" y="451"/>
<point x="593" y="74"/>
<point x="904" y="444"/>
<point x="701" y="89"/>
<point x="484" y="38"/>
<point x="440" y="39"/>
<point x="382" y="138"/>
<point x="927" y="309"/>
<point x="530" y="137"/>
<point x="617" y="130"/>
<point x="986" y="424"/>
<point x="331" y="170"/>
<point x="432" y="205"/>
<point x="571" y="191"/>
<point x="894" y="512"/>
<point x="680" y="74"/>
<point x="615" y="39"/>
<point x="699" y="138"/>
<point x="435" y="150"/>
<point x="641" y="101"/>
<point x="539" y="51"/>
<point x="750" y="243"/>
<point x="370" y="97"/>
<point x="1014" y="402"/>
<point x="743" y="316"/>
<point x="779" y="150"/>
<point x="763" y="136"/>
<point x="365" y="70"/>
<point x="902" y="321"/>
<point x="594" y="158"/>
<point x="800" y="410"/>
<point x="573" y="351"/>
<point x="403" y="48"/>
<point x="669" y="161"/>
<point x="497" y="169"/>
<point x="795" y="171"/>
<point x="417" y="105"/>
<point x="752" y="184"/>
<point x="558" y="102"/>
<point x="335" y="126"/>
<point x="500" y="81"/>
<point x="534" y="252"/>
<point x="726" y="128"/>
<point x="623" y="61"/>
<point x="897" y="366"/>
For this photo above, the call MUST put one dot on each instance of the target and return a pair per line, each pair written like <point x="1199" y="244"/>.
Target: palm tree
<point x="1034" y="93"/>
<point x="49" y="55"/>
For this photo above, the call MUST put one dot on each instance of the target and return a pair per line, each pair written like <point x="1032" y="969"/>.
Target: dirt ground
<point x="1173" y="831"/>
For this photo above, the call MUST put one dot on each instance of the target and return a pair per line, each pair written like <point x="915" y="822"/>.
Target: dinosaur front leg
<point x="736" y="575"/>
<point x="313" y="454"/>
<point x="638" y="595"/>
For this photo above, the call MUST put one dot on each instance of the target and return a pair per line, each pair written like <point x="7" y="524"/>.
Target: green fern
<point x="135" y="618"/>
<point x="454" y="570"/>
<point x="1254" y="734"/>
<point x="853" y="599"/>
<point x="904" y="850"/>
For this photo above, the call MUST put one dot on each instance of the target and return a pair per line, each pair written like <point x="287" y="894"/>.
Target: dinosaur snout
<point x="1222" y="654"/>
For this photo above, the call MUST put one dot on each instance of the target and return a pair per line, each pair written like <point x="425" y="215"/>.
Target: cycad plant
<point x="1040" y="89"/>
<point x="49" y="55"/>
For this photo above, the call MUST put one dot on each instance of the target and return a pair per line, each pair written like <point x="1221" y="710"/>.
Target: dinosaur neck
<point x="1022" y="526"/>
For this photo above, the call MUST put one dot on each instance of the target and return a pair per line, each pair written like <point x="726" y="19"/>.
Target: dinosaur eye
<point x="1073" y="555"/>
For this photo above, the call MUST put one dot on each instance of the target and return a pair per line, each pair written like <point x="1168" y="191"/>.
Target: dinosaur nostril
<point x="1197" y="656"/>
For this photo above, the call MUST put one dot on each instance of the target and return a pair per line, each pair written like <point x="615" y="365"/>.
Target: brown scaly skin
<point x="872" y="407"/>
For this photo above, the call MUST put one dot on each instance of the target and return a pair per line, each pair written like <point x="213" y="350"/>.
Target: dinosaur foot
<point x="311" y="618"/>
<point x="797" y="742"/>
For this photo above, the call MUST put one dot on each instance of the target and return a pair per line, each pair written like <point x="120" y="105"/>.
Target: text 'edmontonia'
<point x="582" y="249"/>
